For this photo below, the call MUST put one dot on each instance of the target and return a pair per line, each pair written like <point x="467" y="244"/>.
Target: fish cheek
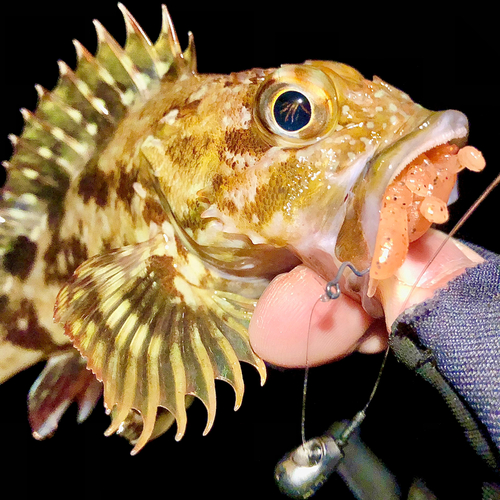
<point x="282" y="192"/>
<point x="351" y="243"/>
<point x="240" y="141"/>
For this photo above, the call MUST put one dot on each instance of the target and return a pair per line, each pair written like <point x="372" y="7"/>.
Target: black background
<point x="444" y="59"/>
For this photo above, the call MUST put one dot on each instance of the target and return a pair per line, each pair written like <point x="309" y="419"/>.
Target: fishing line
<point x="301" y="472"/>
<point x="332" y="292"/>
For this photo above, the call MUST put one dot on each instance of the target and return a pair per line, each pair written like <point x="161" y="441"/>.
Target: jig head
<point x="300" y="473"/>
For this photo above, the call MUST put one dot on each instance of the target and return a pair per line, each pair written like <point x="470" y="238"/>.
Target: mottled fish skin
<point x="153" y="205"/>
<point x="257" y="183"/>
<point x="78" y="186"/>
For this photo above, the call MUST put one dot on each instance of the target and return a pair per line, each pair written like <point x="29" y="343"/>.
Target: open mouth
<point x="422" y="170"/>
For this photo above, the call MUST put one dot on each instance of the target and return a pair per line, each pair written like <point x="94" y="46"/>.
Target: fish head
<point x="297" y="157"/>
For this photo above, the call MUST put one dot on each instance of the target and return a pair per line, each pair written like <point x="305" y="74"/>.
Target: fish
<point x="98" y="197"/>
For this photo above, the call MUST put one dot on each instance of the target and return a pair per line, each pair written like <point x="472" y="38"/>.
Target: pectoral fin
<point x="156" y="325"/>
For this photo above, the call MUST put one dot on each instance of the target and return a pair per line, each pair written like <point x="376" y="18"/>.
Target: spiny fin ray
<point x="84" y="109"/>
<point x="167" y="46"/>
<point x="139" y="47"/>
<point x="190" y="54"/>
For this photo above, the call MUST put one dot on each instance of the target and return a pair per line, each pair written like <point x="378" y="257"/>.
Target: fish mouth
<point x="366" y="223"/>
<point x="438" y="128"/>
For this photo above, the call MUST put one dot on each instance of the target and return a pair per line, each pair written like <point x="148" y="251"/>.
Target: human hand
<point x="280" y="326"/>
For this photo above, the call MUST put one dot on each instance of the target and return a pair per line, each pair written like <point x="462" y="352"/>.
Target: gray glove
<point x="453" y="341"/>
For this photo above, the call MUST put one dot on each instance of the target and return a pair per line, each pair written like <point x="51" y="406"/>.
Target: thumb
<point x="290" y="321"/>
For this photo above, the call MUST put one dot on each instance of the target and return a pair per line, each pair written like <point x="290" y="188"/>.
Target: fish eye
<point x="292" y="110"/>
<point x="296" y="106"/>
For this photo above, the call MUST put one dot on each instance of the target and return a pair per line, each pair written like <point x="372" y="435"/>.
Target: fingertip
<point x="278" y="330"/>
<point x="290" y="321"/>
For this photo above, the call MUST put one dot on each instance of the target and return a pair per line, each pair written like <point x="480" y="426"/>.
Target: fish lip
<point x="438" y="128"/>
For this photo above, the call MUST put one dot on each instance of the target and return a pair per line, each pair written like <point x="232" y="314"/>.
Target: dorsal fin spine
<point x="137" y="42"/>
<point x="168" y="43"/>
<point x="69" y="120"/>
<point x="67" y="76"/>
<point x="58" y="133"/>
<point x="30" y="148"/>
<point x="105" y="40"/>
<point x="84" y="55"/>
<point x="98" y="104"/>
<point x="190" y="54"/>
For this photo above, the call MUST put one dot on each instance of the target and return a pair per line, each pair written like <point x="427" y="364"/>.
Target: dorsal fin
<point x="70" y="127"/>
<point x="73" y="122"/>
